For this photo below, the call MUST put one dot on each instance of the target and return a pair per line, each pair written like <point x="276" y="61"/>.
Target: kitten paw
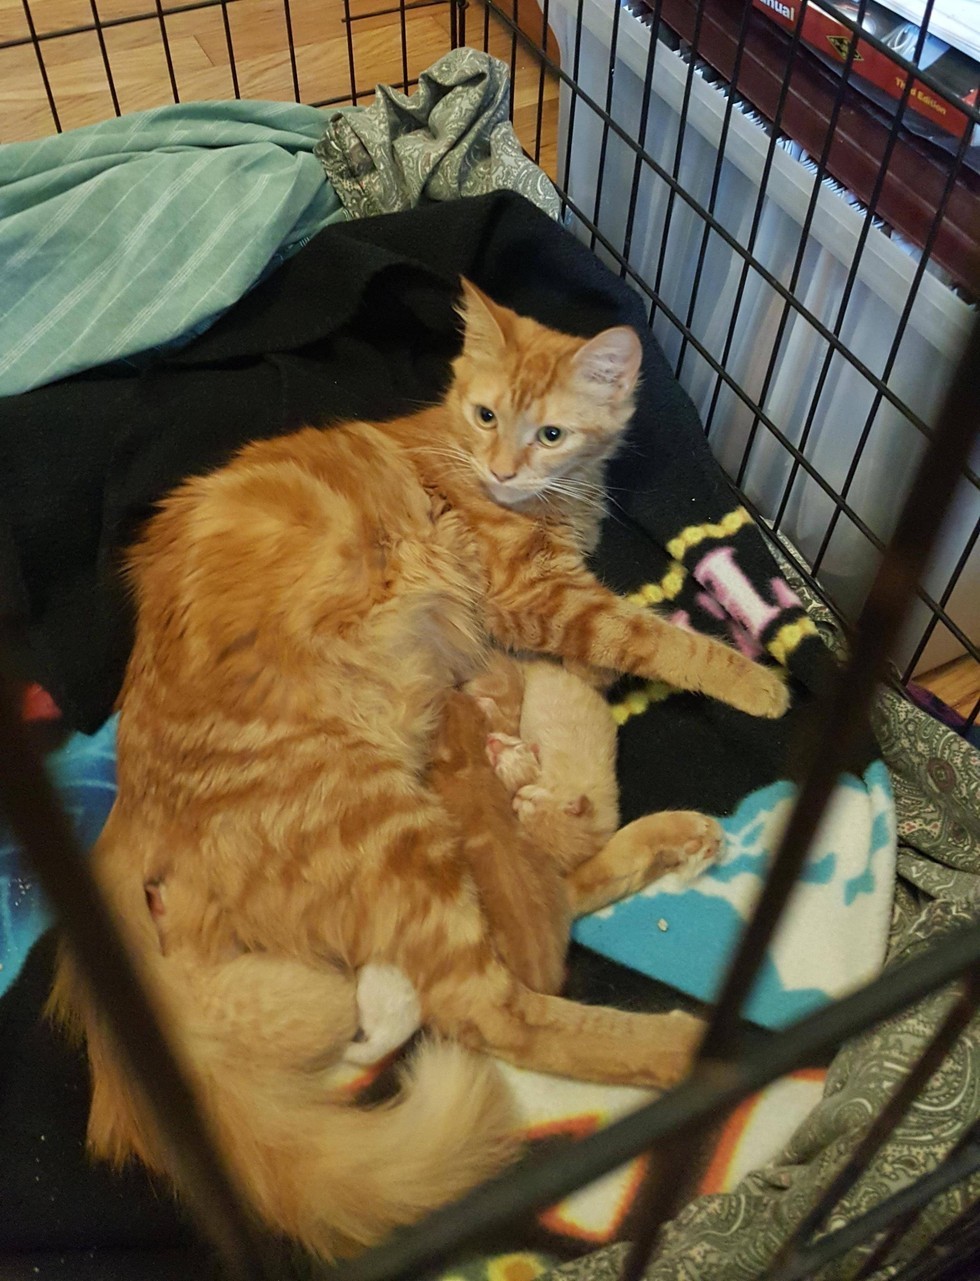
<point x="683" y="842"/>
<point x="515" y="762"/>
<point x="531" y="800"/>
<point x="388" y="1014"/>
<point x="702" y="846"/>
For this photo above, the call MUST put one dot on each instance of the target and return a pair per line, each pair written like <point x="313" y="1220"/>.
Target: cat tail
<point x="337" y="1177"/>
<point x="331" y="1175"/>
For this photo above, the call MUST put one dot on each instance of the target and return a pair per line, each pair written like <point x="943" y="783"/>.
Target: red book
<point x="958" y="73"/>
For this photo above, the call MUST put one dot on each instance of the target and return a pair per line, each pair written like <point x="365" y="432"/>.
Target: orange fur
<point x="303" y="616"/>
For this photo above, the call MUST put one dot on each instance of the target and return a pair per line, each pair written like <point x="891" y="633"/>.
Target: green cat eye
<point x="486" y="416"/>
<point x="550" y="435"/>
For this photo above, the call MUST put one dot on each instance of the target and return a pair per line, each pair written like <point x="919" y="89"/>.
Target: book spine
<point x="825" y="34"/>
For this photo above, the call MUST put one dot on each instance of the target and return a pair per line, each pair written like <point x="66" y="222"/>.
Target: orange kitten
<point x="560" y="762"/>
<point x="303" y="615"/>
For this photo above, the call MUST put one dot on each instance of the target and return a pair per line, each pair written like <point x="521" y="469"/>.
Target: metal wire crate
<point x="629" y="190"/>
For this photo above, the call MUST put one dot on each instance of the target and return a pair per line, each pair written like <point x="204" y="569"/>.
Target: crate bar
<point x="399" y="8"/>
<point x="936" y="1261"/>
<point x="818" y="479"/>
<point x="852" y="274"/>
<point x="770" y="426"/>
<point x="900" y="1225"/>
<point x="542" y="70"/>
<point x="678" y="152"/>
<point x="543" y="1179"/>
<point x="881" y="1127"/>
<point x="773" y="281"/>
<point x="957" y="1166"/>
<point x="105" y="57"/>
<point x="35" y="41"/>
<point x="287" y="15"/>
<point x="403" y="30"/>
<point x="572" y="85"/>
<point x="831" y="747"/>
<point x="757" y="213"/>
<point x="232" y="65"/>
<point x="87" y="27"/>
<point x="730" y="97"/>
<point x="642" y="134"/>
<point x="343" y="99"/>
<point x="607" y="116"/>
<point x="351" y="67"/>
<point x="954" y="170"/>
<point x="515" y="32"/>
<point x="811" y="209"/>
<point x="39" y="825"/>
<point x="166" y="50"/>
<point x="947" y="592"/>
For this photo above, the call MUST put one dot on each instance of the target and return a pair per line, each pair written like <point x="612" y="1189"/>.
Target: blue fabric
<point x="832" y="936"/>
<point x="137" y="233"/>
<point x="84" y="772"/>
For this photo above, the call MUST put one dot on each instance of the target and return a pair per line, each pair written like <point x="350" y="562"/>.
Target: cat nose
<point x="502" y="476"/>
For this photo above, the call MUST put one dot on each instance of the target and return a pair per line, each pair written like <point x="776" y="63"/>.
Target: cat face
<point x="539" y="408"/>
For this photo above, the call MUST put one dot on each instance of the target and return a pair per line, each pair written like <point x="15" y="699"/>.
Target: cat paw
<point x="682" y="842"/>
<point x="702" y="844"/>
<point x="760" y="691"/>
<point x="388" y="1014"/>
<point x="530" y="800"/>
<point x="515" y="762"/>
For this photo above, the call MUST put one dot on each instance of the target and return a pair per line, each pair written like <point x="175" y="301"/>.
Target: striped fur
<point x="303" y="616"/>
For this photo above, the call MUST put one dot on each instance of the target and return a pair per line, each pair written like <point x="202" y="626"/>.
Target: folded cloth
<point x="136" y="232"/>
<point x="451" y="137"/>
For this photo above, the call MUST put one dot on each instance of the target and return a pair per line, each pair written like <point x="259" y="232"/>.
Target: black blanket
<point x="359" y="324"/>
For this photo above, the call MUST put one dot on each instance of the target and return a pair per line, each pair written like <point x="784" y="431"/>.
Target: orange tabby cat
<point x="303" y="615"/>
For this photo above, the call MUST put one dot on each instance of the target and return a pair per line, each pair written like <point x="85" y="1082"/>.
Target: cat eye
<point x="486" y="416"/>
<point x="550" y="435"/>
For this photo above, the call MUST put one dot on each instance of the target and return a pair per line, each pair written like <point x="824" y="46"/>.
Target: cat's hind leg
<point x="490" y="1010"/>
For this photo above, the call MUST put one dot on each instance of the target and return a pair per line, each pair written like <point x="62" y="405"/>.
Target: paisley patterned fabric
<point x="452" y="137"/>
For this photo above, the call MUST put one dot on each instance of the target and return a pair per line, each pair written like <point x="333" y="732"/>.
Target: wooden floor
<point x="199" y="50"/>
<point x="956" y="683"/>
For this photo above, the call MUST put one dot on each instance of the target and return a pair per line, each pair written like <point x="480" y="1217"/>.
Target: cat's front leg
<point x="542" y="598"/>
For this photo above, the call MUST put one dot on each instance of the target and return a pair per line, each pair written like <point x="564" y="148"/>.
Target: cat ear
<point x="483" y="331"/>
<point x="611" y="360"/>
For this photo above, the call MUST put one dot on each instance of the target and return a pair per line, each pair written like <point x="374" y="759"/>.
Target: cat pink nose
<point x="502" y="476"/>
